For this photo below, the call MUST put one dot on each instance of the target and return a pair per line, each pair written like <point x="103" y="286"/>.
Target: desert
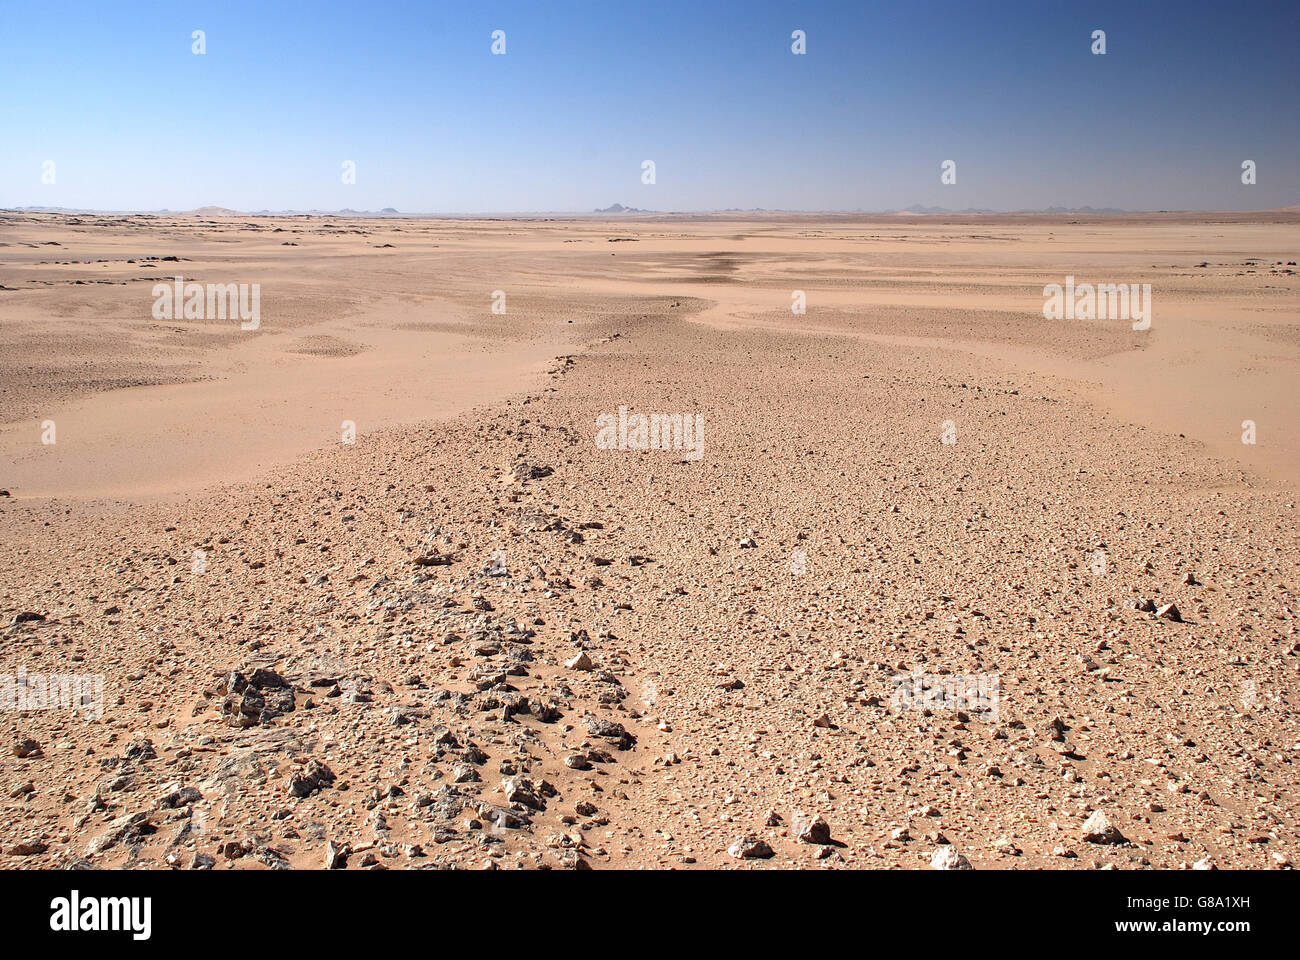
<point x="934" y="579"/>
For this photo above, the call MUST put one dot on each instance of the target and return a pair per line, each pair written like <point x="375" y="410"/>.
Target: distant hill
<point x="216" y="212"/>
<point x="619" y="208"/>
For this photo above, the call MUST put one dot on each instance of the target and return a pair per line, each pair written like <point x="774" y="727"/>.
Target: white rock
<point x="580" y="662"/>
<point x="947" y="858"/>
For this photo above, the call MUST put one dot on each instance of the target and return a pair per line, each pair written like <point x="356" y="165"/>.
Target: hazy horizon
<point x="457" y="214"/>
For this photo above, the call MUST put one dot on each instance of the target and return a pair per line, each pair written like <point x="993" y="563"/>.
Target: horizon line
<point x="389" y="213"/>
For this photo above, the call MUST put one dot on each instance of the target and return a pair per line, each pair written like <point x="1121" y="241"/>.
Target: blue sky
<point x="709" y="91"/>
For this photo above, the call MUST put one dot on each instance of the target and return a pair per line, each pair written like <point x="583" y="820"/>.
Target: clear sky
<point x="709" y="90"/>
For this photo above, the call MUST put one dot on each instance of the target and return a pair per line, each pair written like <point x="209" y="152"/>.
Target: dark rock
<point x="314" y="776"/>
<point x="180" y="798"/>
<point x="434" y="559"/>
<point x="28" y="848"/>
<point x="257" y="698"/>
<point x="609" y="730"/>
<point x="502" y="816"/>
<point x="529" y="471"/>
<point x="127" y="829"/>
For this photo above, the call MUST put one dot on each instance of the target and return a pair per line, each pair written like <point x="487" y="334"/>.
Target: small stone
<point x="572" y="860"/>
<point x="750" y="847"/>
<point x="529" y="471"/>
<point x="947" y="858"/>
<point x="502" y="817"/>
<point x="521" y="790"/>
<point x="609" y="730"/>
<point x="27" y="747"/>
<point x="181" y="797"/>
<point x="1006" y="847"/>
<point x="433" y="559"/>
<point x="313" y="777"/>
<point x="1098" y="829"/>
<point x="336" y="857"/>
<point x="1169" y="612"/>
<point x="818" y="831"/>
<point x="127" y="828"/>
<point x="28" y="848"/>
<point x="580" y="662"/>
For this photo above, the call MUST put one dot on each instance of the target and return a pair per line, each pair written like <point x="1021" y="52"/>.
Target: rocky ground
<point x="493" y="642"/>
<point x="494" y="645"/>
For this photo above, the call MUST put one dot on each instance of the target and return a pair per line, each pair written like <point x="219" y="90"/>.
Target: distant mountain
<point x="619" y="208"/>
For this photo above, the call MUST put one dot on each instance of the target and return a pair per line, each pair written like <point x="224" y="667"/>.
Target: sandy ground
<point x="487" y="641"/>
